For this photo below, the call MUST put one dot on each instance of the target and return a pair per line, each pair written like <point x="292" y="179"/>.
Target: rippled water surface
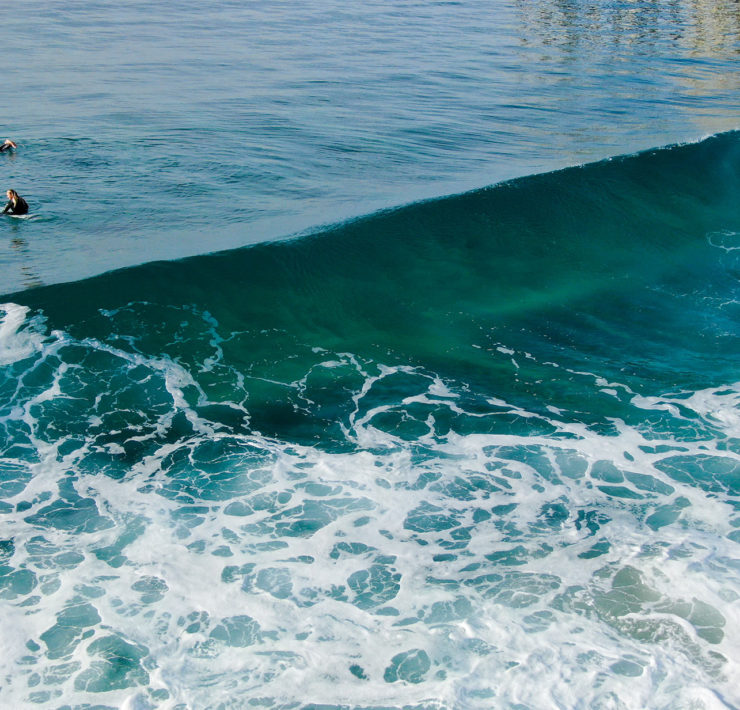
<point x="158" y="130"/>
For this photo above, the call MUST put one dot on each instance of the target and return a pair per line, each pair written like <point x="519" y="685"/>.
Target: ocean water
<point x="163" y="130"/>
<point x="453" y="424"/>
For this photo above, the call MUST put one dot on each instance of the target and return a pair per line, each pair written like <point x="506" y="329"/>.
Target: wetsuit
<point x="20" y="207"/>
<point x="5" y="146"/>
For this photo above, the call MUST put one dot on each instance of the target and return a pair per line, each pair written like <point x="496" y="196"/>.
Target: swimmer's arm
<point x="7" y="207"/>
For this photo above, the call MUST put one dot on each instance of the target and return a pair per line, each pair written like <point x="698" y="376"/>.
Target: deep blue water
<point x="455" y="421"/>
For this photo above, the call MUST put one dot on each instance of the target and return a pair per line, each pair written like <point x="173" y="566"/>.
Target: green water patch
<point x="16" y="582"/>
<point x="73" y="624"/>
<point x="239" y="631"/>
<point x="580" y="265"/>
<point x="515" y="589"/>
<point x="308" y="517"/>
<point x="215" y="469"/>
<point x="410" y="666"/>
<point x="132" y="528"/>
<point x="714" y="474"/>
<point x="622" y="598"/>
<point x="117" y="664"/>
<point x="71" y="512"/>
<point x="14" y="476"/>
<point x="150" y="589"/>
<point x="667" y="514"/>
<point x="374" y="586"/>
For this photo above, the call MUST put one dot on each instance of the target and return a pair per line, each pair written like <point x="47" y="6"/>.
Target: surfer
<point x="16" y="204"/>
<point x="8" y="145"/>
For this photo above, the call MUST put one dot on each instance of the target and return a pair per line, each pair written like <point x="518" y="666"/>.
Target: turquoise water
<point x="475" y="451"/>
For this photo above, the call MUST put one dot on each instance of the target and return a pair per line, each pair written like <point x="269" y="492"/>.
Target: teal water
<point x="461" y="452"/>
<point x="422" y="459"/>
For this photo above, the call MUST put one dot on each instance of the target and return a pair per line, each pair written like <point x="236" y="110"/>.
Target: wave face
<point x="476" y="452"/>
<point x="373" y="107"/>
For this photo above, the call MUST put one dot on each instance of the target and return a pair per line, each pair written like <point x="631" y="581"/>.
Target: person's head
<point x="12" y="195"/>
<point x="10" y="143"/>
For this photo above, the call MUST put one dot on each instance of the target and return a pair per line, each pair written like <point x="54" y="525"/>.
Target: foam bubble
<point x="456" y="550"/>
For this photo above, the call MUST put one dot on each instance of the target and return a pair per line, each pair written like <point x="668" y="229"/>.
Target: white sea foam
<point x="726" y="240"/>
<point x="456" y="570"/>
<point x="15" y="342"/>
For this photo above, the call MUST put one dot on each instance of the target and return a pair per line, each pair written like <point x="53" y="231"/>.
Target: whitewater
<point x="389" y="359"/>
<point x="344" y="476"/>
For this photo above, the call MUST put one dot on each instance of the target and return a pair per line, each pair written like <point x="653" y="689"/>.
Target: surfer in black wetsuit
<point x="16" y="204"/>
<point x="8" y="145"/>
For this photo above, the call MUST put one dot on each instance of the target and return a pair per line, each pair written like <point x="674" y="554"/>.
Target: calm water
<point x="438" y="453"/>
<point x="152" y="131"/>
